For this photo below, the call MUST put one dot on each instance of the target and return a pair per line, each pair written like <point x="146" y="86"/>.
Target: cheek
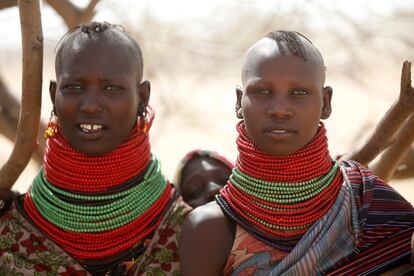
<point x="65" y="108"/>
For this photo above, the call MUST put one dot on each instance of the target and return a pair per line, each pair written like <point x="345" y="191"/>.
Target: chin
<point x="94" y="152"/>
<point x="279" y="152"/>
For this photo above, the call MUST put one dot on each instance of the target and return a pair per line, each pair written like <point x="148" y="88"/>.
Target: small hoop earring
<point x="239" y="113"/>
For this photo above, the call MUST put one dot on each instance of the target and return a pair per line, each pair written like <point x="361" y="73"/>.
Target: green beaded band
<point x="281" y="192"/>
<point x="117" y="210"/>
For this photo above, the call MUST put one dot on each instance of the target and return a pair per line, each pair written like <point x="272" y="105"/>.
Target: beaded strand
<point x="277" y="198"/>
<point x="98" y="208"/>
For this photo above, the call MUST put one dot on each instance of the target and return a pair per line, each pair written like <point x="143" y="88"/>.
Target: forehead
<point x="202" y="163"/>
<point x="100" y="54"/>
<point x="264" y="60"/>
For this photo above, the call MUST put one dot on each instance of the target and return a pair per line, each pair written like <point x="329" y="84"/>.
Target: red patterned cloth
<point x="24" y="249"/>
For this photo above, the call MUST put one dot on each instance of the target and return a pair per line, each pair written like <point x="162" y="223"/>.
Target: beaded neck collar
<point x="69" y="169"/>
<point x="277" y="198"/>
<point x="311" y="161"/>
<point x="99" y="208"/>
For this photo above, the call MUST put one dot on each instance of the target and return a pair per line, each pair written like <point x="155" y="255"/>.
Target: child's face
<point x="283" y="98"/>
<point x="97" y="96"/>
<point x="202" y="178"/>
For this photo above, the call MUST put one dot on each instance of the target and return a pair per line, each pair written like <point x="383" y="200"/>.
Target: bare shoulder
<point x="206" y="240"/>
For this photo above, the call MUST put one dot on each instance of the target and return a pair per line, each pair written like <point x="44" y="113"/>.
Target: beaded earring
<point x="52" y="125"/>
<point x="143" y="122"/>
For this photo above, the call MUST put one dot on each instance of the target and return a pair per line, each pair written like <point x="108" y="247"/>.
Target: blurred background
<point x="193" y="52"/>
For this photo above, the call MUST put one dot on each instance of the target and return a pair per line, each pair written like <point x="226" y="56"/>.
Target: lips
<point x="278" y="130"/>
<point x="278" y="133"/>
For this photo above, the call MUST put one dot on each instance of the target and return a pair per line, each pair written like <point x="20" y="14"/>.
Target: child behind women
<point x="100" y="205"/>
<point x="288" y="207"/>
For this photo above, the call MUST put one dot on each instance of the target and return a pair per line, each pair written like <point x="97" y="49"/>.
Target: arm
<point x="385" y="167"/>
<point x="406" y="167"/>
<point x="205" y="242"/>
<point x="384" y="133"/>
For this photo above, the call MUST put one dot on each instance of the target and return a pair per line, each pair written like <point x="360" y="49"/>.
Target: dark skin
<point x="98" y="94"/>
<point x="282" y="102"/>
<point x="99" y="83"/>
<point x="202" y="178"/>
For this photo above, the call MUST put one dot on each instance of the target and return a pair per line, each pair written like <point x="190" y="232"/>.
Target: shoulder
<point x="208" y="220"/>
<point x="206" y="240"/>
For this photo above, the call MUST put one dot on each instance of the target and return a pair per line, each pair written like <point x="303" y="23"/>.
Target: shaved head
<point x="283" y="43"/>
<point x="99" y="32"/>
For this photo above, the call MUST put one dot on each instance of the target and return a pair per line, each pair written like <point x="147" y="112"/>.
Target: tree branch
<point x="71" y="14"/>
<point x="28" y="126"/>
<point x="7" y="3"/>
<point x="384" y="134"/>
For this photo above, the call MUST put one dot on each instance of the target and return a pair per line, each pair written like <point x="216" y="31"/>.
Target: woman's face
<point x="97" y="96"/>
<point x="202" y="178"/>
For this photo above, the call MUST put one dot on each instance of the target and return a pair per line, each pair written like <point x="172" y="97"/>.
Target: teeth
<point x="89" y="127"/>
<point x="278" y="131"/>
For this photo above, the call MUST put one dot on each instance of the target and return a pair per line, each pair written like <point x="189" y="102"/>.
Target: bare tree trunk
<point x="28" y="126"/>
<point x="9" y="106"/>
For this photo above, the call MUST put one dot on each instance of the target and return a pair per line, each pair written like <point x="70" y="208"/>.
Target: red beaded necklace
<point x="76" y="171"/>
<point x="309" y="162"/>
<point x="93" y="176"/>
<point x="285" y="214"/>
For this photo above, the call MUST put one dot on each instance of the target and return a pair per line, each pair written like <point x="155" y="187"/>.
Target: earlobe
<point x="144" y="91"/>
<point x="238" y="109"/>
<point x="52" y="91"/>
<point x="327" y="97"/>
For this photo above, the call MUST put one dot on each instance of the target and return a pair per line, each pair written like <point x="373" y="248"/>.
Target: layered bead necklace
<point x="277" y="198"/>
<point x="99" y="207"/>
<point x="72" y="170"/>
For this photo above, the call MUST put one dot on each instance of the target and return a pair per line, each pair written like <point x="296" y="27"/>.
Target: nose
<point x="212" y="190"/>
<point x="280" y="107"/>
<point x="92" y="102"/>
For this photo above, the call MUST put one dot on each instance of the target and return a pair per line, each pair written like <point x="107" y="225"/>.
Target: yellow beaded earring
<point x="52" y="125"/>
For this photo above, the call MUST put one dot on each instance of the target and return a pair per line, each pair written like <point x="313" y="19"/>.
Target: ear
<point x="52" y="91"/>
<point x="238" y="109"/>
<point x="144" y="91"/>
<point x="327" y="97"/>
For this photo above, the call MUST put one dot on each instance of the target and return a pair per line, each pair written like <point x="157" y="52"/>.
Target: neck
<point x="69" y="169"/>
<point x="311" y="161"/>
<point x="277" y="198"/>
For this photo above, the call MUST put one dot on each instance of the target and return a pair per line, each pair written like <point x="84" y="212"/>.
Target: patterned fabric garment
<point x="365" y="214"/>
<point x="26" y="251"/>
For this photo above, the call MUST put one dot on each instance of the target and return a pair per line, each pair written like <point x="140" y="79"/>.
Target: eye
<point x="195" y="193"/>
<point x="193" y="189"/>
<point x="262" y="92"/>
<point x="113" y="88"/>
<point x="72" y="87"/>
<point x="300" y="92"/>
